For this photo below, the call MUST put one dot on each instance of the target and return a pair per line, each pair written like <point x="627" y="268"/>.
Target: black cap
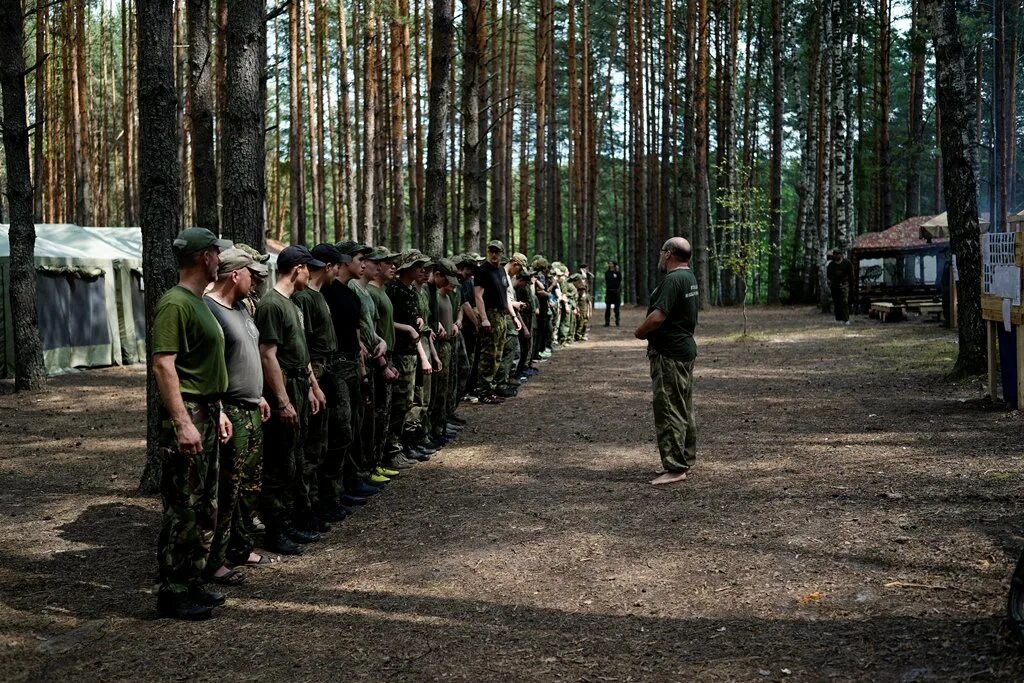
<point x="352" y="248"/>
<point x="297" y="255"/>
<point x="328" y="253"/>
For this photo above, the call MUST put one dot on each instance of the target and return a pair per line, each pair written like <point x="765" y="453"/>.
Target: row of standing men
<point x="287" y="405"/>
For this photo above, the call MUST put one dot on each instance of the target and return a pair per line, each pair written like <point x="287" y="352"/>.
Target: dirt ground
<point x="852" y="516"/>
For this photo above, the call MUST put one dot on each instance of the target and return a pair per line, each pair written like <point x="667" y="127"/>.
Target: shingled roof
<point x="905" y="235"/>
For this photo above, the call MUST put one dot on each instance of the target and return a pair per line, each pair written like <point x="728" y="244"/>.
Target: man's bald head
<point x="679" y="248"/>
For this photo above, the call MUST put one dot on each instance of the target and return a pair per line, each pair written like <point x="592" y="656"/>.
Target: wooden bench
<point x="932" y="309"/>
<point x="886" y="311"/>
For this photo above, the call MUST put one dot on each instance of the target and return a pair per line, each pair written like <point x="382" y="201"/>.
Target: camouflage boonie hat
<point x="412" y="257"/>
<point x="256" y="256"/>
<point x="539" y="262"/>
<point x="382" y="254"/>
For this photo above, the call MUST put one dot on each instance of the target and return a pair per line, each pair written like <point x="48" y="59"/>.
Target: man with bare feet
<point x="668" y="329"/>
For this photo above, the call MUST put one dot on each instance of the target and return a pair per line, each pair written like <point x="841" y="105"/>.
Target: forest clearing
<point x="852" y="515"/>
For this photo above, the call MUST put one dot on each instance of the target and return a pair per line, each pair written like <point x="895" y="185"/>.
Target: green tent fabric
<point x="89" y="285"/>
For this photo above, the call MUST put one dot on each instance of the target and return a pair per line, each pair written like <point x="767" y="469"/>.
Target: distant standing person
<point x="668" y="328"/>
<point x="840" y="281"/>
<point x="192" y="376"/>
<point x="612" y="292"/>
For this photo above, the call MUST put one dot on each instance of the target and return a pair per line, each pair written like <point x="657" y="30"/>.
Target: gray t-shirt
<point x="241" y="351"/>
<point x="444" y="312"/>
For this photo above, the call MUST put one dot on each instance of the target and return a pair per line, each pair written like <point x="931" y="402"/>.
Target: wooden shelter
<point x="907" y="261"/>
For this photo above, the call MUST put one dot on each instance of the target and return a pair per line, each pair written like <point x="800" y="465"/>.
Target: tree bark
<point x="296" y="153"/>
<point x="471" y="15"/>
<point x="159" y="185"/>
<point x="201" y="104"/>
<point x="29" y="373"/>
<point x="442" y="42"/>
<point x="244" y="123"/>
<point x="775" y="164"/>
<point x="701" y="202"/>
<point x="960" y="183"/>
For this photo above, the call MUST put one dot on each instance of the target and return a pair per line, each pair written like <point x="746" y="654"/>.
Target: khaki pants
<point x="675" y="421"/>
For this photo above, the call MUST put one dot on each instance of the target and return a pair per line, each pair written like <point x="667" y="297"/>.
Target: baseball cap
<point x="447" y="267"/>
<point x="495" y="244"/>
<point x="297" y="255"/>
<point x="520" y="259"/>
<point x="235" y="259"/>
<point x="328" y="253"/>
<point x="191" y="240"/>
<point x="352" y="248"/>
<point x="382" y="254"/>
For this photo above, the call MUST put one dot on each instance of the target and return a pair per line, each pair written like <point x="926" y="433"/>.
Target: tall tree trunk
<point x="347" y="159"/>
<point x="29" y="373"/>
<point x="701" y="202"/>
<point x="159" y="185"/>
<point x="127" y="115"/>
<point x="316" y="160"/>
<point x="471" y="15"/>
<point x="371" y="160"/>
<point x="540" y="243"/>
<point x="915" y="127"/>
<point x="960" y="179"/>
<point x="442" y="42"/>
<point x="396" y="219"/>
<point x="296" y="152"/>
<point x="40" y="160"/>
<point x="201" y="104"/>
<point x="884" y="180"/>
<point x="775" y="165"/>
<point x="244" y="123"/>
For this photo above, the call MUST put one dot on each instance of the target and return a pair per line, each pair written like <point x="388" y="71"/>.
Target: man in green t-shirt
<point x="668" y="328"/>
<point x="382" y="272"/>
<point x="191" y="375"/>
<point x="290" y="388"/>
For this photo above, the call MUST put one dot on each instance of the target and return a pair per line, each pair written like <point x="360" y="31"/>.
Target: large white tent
<point x="89" y="297"/>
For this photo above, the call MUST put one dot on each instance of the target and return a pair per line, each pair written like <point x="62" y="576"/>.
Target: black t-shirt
<point x="345" y="314"/>
<point x="468" y="295"/>
<point x="612" y="280"/>
<point x="494" y="281"/>
<point x="406" y="302"/>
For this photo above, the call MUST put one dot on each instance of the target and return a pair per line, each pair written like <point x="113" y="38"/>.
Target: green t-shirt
<point x="186" y="327"/>
<point x="279" y="321"/>
<point x="385" y="315"/>
<point x="677" y="297"/>
<point x="368" y="315"/>
<point x="317" y="323"/>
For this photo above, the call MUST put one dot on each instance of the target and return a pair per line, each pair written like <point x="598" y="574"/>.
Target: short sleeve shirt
<point x="346" y="312"/>
<point x="241" y="351"/>
<point x="494" y="281"/>
<point x="368" y="315"/>
<point x="280" y="322"/>
<point x="316" y="321"/>
<point x="677" y="298"/>
<point x="385" y="315"/>
<point x="185" y="326"/>
<point x="405" y="301"/>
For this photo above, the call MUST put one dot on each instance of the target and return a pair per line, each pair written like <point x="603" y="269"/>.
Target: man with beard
<point x="668" y="328"/>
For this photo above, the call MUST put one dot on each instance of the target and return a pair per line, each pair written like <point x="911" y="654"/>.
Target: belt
<point x="295" y="373"/>
<point x="202" y="400"/>
<point x="239" y="403"/>
<point x="348" y="355"/>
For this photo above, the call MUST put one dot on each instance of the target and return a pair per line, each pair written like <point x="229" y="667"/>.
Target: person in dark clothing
<point x="840" y="281"/>
<point x="612" y="292"/>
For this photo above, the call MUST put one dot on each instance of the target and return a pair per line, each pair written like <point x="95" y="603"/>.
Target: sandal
<point x="232" y="578"/>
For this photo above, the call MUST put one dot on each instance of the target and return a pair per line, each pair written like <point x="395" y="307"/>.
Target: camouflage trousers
<point x="565" y="326"/>
<point x="583" y="323"/>
<point x="418" y="419"/>
<point x="238" y="488"/>
<point x="188" y="489"/>
<point x="284" y="482"/>
<point x="381" y="415"/>
<point x="441" y="389"/>
<point x="526" y="346"/>
<point x="345" y="456"/>
<point x="460" y="379"/>
<point x="675" y="421"/>
<point x="509" y="357"/>
<point x="492" y="348"/>
<point x="401" y="404"/>
<point x="317" y="436"/>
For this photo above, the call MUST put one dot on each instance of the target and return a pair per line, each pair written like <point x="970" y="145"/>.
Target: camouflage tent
<point x="89" y="297"/>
